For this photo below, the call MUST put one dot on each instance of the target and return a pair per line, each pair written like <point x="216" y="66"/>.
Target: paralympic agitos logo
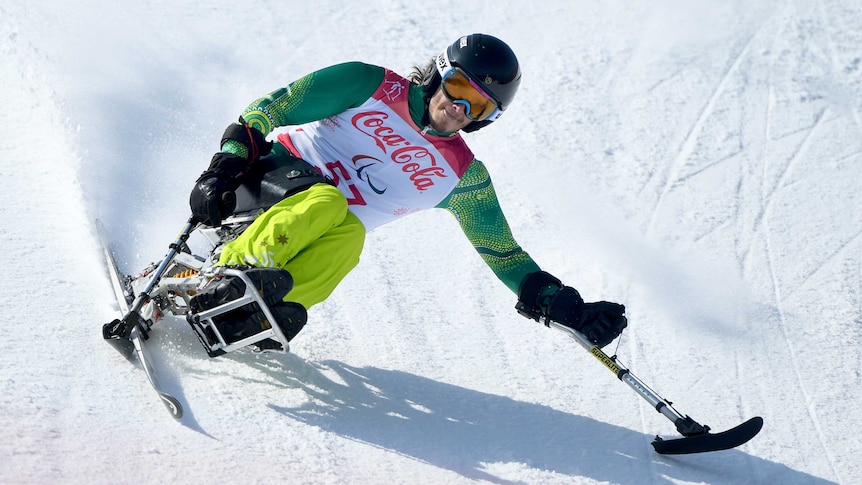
<point x="417" y="161"/>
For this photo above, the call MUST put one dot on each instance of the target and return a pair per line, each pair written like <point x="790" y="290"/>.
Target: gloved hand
<point x="543" y="295"/>
<point x="213" y="198"/>
<point x="600" y="322"/>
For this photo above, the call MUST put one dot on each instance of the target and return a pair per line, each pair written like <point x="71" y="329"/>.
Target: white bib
<point x="379" y="158"/>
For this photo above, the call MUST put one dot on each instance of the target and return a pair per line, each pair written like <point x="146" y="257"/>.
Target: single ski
<point x="701" y="443"/>
<point x="129" y="335"/>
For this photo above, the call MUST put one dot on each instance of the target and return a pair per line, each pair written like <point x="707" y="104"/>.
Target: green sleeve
<point x="315" y="96"/>
<point x="474" y="204"/>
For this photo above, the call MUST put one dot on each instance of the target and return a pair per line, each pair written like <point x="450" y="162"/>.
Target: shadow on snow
<point x="463" y="430"/>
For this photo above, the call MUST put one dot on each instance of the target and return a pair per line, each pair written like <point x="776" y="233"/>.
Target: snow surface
<point x="697" y="161"/>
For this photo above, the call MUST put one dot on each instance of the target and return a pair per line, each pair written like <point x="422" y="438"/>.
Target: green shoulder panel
<point x="315" y="96"/>
<point x="474" y="204"/>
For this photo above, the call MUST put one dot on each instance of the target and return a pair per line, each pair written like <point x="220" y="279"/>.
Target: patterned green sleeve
<point x="315" y="96"/>
<point x="474" y="204"/>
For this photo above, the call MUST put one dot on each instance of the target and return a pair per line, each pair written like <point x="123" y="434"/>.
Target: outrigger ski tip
<point x="696" y="437"/>
<point x="706" y="441"/>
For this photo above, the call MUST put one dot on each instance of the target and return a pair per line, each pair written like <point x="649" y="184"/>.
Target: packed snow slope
<point x="697" y="161"/>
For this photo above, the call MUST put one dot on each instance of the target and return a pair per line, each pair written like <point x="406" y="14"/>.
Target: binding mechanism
<point x="242" y="307"/>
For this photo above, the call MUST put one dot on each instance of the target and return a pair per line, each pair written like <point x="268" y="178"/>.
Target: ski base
<point x="706" y="442"/>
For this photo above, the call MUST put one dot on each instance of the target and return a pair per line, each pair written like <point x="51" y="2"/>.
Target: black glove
<point x="213" y="198"/>
<point x="543" y="295"/>
<point x="600" y="322"/>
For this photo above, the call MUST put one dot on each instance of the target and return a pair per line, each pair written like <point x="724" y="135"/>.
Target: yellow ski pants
<point x="311" y="234"/>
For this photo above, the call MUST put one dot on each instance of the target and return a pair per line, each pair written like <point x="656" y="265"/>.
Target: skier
<point x="369" y="147"/>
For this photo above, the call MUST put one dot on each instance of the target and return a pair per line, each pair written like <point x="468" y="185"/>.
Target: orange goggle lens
<point x="461" y="89"/>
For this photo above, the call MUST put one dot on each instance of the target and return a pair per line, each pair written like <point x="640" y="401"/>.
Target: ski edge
<point x="135" y="344"/>
<point x="114" y="273"/>
<point x="707" y="442"/>
<point x="171" y="403"/>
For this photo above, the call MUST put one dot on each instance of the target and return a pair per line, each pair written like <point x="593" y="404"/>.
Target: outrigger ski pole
<point x="696" y="437"/>
<point x="118" y="332"/>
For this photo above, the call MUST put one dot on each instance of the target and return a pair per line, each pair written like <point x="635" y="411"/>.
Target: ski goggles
<point x="460" y="89"/>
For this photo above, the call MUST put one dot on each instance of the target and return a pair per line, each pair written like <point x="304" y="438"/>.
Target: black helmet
<point x="489" y="62"/>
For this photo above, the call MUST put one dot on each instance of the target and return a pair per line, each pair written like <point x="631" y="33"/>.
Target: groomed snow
<point x="697" y="161"/>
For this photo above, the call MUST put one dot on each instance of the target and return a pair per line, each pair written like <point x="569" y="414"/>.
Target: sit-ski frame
<point x="170" y="285"/>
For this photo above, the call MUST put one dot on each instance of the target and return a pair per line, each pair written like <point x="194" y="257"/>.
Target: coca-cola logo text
<point x="415" y="160"/>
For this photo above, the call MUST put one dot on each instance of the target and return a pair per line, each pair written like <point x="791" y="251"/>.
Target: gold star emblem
<point x="282" y="239"/>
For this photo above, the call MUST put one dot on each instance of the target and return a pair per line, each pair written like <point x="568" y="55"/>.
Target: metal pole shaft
<point x="144" y="296"/>
<point x="659" y="403"/>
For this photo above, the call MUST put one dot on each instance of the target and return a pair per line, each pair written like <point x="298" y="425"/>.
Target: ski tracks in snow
<point x="789" y="112"/>
<point x="780" y="170"/>
<point x="761" y="230"/>
<point x="689" y="143"/>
